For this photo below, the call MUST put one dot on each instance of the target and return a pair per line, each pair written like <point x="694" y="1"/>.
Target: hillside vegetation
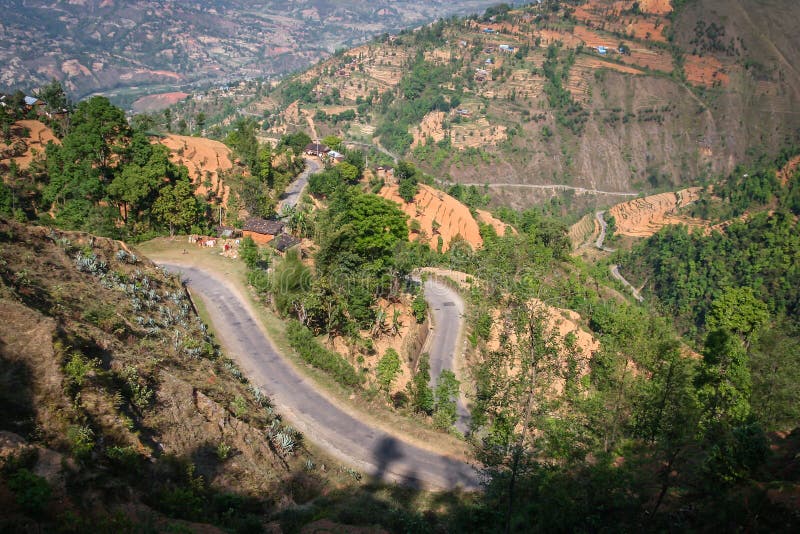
<point x="589" y="410"/>
<point x="117" y="403"/>
<point x="523" y="96"/>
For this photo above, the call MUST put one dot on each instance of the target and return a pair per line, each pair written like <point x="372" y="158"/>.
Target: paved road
<point x="342" y="435"/>
<point x="614" y="268"/>
<point x="603" y="227"/>
<point x="292" y="194"/>
<point x="447" y="312"/>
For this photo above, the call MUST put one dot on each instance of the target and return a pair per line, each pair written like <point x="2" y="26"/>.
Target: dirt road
<point x="557" y="187"/>
<point x="616" y="274"/>
<point x="447" y="312"/>
<point x="342" y="435"/>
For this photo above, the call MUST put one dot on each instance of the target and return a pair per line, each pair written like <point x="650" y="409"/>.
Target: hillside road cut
<point x="345" y="437"/>
<point x="447" y="311"/>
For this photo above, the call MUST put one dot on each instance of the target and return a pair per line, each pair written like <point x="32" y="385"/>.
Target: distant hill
<point x="601" y="98"/>
<point x="100" y="45"/>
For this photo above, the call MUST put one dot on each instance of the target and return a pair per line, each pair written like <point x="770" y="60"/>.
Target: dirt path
<point x="311" y="126"/>
<point x="616" y="274"/>
<point x="341" y="433"/>
<point x="558" y="187"/>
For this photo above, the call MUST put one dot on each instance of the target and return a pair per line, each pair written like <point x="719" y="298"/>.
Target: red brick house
<point x="262" y="231"/>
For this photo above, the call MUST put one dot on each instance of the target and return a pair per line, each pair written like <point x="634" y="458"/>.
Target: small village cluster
<point x="261" y="231"/>
<point x="27" y="104"/>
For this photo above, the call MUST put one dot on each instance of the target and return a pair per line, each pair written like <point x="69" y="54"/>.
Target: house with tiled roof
<point x="262" y="231"/>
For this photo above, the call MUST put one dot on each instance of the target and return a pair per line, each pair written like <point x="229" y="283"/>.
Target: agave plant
<point x="285" y="442"/>
<point x="126" y="257"/>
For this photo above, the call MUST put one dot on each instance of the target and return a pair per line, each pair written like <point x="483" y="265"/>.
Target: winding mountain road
<point x="293" y="191"/>
<point x="613" y="268"/>
<point x="447" y="311"/>
<point x="553" y="187"/>
<point x="340" y="433"/>
<point x="603" y="228"/>
<point x="616" y="274"/>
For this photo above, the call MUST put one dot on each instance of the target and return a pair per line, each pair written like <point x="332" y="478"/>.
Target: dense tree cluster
<point x="689" y="271"/>
<point x="418" y="93"/>
<point x="105" y="177"/>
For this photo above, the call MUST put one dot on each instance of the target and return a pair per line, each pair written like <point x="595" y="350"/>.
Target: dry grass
<point x="205" y="159"/>
<point x="157" y="102"/>
<point x="653" y="59"/>
<point x="33" y="144"/>
<point x="705" y="70"/>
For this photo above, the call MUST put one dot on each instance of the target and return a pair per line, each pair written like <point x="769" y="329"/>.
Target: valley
<point x="136" y="48"/>
<point x="608" y="99"/>
<point x="530" y="270"/>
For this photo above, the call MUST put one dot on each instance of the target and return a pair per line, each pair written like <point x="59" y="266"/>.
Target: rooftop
<point x="284" y="242"/>
<point x="263" y="226"/>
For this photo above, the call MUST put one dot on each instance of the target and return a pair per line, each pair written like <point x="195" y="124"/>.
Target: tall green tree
<point x="177" y="207"/>
<point x="419" y="390"/>
<point x="86" y="161"/>
<point x="360" y="232"/>
<point x="737" y="310"/>
<point x="54" y="96"/>
<point x="723" y="381"/>
<point x="775" y="372"/>
<point x="137" y="186"/>
<point x="445" y="396"/>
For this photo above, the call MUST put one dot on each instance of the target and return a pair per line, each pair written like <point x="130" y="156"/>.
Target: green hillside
<point x="588" y="409"/>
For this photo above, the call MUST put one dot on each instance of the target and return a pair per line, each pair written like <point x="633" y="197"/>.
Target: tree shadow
<point x="18" y="413"/>
<point x="388" y="453"/>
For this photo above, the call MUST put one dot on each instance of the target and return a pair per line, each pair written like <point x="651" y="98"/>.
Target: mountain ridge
<point x="576" y="96"/>
<point x="101" y="45"/>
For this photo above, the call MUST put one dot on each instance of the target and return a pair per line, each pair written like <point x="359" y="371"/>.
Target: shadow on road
<point x="387" y="453"/>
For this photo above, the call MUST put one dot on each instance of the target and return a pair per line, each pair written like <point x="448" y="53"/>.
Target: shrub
<point x="77" y="368"/>
<point x="303" y="341"/>
<point x="140" y="394"/>
<point x="248" y="251"/>
<point x="126" y="458"/>
<point x="446" y="392"/>
<point x="419" y="391"/>
<point x="388" y="368"/>
<point x="31" y="491"/>
<point x="81" y="440"/>
<point x="419" y="308"/>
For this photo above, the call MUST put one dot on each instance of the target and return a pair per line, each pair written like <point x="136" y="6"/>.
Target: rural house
<point x="228" y="232"/>
<point x="316" y="149"/>
<point x="284" y="242"/>
<point x="260" y="230"/>
<point x="335" y="157"/>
